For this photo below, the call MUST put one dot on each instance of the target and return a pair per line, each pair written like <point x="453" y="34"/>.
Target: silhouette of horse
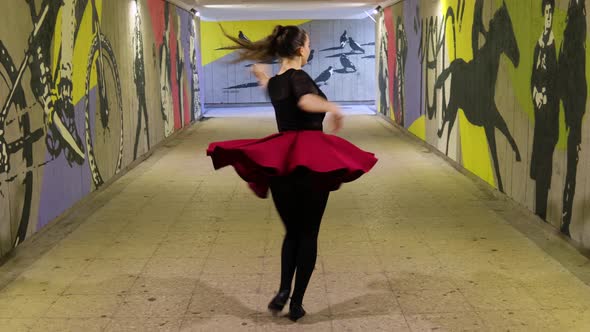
<point x="473" y="85"/>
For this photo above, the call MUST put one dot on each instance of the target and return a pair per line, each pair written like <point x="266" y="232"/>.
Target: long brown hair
<point x="284" y="41"/>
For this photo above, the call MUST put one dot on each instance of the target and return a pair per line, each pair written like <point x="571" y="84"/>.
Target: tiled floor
<point x="412" y="246"/>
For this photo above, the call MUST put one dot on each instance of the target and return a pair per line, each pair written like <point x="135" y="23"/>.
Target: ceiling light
<point x="238" y="6"/>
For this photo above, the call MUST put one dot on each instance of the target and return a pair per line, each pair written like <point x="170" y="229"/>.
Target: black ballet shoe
<point x="277" y="304"/>
<point x="295" y="311"/>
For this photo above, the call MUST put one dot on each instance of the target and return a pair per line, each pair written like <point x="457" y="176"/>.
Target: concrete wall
<point x="485" y="83"/>
<point x="70" y="126"/>
<point x="228" y="83"/>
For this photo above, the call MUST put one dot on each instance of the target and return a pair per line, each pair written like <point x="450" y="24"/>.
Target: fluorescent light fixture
<point x="244" y="6"/>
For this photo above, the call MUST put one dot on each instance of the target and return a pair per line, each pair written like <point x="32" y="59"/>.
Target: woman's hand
<point x="262" y="73"/>
<point x="336" y="117"/>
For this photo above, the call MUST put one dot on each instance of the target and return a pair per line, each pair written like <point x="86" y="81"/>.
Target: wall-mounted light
<point x="195" y="12"/>
<point x="133" y="8"/>
<point x="377" y="10"/>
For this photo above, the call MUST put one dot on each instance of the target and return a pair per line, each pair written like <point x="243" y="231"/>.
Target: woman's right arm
<point x="306" y="91"/>
<point x="315" y="104"/>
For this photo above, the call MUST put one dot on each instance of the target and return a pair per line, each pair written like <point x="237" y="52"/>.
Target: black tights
<point x="301" y="208"/>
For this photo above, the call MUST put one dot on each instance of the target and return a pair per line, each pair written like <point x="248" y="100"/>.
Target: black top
<point x="284" y="91"/>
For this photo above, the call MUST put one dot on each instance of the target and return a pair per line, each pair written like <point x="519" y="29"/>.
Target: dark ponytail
<point x="284" y="41"/>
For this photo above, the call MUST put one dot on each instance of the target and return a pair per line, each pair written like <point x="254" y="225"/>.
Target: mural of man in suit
<point x="546" y="107"/>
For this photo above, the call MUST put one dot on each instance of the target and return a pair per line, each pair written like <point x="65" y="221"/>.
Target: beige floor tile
<point x="49" y="277"/>
<point x="572" y="319"/>
<point x="356" y="282"/>
<point x="70" y="324"/>
<point x="153" y="305"/>
<point x="314" y="323"/>
<point x="348" y="263"/>
<point x="232" y="265"/>
<point x="74" y="251"/>
<point x="241" y="283"/>
<point x="173" y="267"/>
<point x="107" y="276"/>
<point x="222" y="250"/>
<point x="18" y="324"/>
<point x="344" y="235"/>
<point x="499" y="298"/>
<point x="412" y="279"/>
<point x="345" y="248"/>
<point x="201" y="238"/>
<point x="147" y="324"/>
<point x="520" y="320"/>
<point x="358" y="304"/>
<point x="433" y="301"/>
<point x="231" y="237"/>
<point x="218" y="323"/>
<point x="137" y="250"/>
<point x="370" y="322"/>
<point x="561" y="297"/>
<point x="182" y="249"/>
<point x="213" y="302"/>
<point x="460" y="321"/>
<point x="193" y="227"/>
<point x="167" y="285"/>
<point x="25" y="306"/>
<point x="84" y="306"/>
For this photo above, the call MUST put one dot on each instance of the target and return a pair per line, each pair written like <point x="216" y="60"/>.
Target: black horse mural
<point x="473" y="85"/>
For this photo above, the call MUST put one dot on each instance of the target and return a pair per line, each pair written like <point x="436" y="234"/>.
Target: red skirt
<point x="328" y="159"/>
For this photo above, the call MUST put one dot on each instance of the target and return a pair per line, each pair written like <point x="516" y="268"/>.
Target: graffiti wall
<point x="83" y="94"/>
<point x="342" y="60"/>
<point x="500" y="86"/>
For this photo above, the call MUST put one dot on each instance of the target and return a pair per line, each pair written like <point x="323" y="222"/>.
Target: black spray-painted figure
<point x="180" y="71"/>
<point x="139" y="79"/>
<point x="383" y="78"/>
<point x="473" y="86"/>
<point x="477" y="26"/>
<point x="343" y="39"/>
<point x="401" y="42"/>
<point x="167" y="108"/>
<point x="572" y="75"/>
<point x="346" y="63"/>
<point x="546" y="106"/>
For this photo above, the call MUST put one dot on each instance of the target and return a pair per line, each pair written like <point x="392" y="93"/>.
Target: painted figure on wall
<point x="180" y="79"/>
<point x="546" y="106"/>
<point x="400" y="69"/>
<point x="477" y="28"/>
<point x="572" y="73"/>
<point x="383" y="78"/>
<point x="473" y="86"/>
<point x="195" y="90"/>
<point x="166" y="76"/>
<point x="139" y="80"/>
